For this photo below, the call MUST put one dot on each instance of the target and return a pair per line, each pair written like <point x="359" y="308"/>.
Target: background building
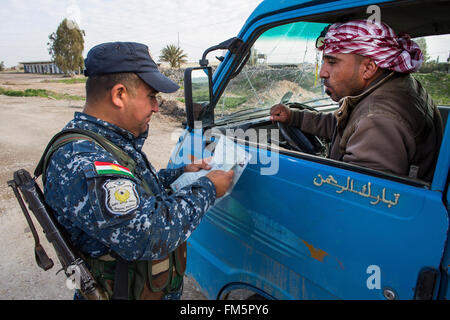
<point x="41" y="67"/>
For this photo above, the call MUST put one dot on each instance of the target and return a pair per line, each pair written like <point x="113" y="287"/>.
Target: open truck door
<point x="299" y="225"/>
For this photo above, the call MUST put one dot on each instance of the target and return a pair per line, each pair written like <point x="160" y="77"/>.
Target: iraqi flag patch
<point x="111" y="168"/>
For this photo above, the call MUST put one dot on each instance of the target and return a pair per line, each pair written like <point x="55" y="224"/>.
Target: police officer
<point x="114" y="212"/>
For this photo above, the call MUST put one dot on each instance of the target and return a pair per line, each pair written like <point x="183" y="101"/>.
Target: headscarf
<point x="374" y="40"/>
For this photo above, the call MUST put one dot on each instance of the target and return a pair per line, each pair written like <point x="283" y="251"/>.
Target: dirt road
<point x="26" y="125"/>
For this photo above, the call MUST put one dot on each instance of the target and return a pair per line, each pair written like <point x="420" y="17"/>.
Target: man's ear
<point x="119" y="95"/>
<point x="370" y="69"/>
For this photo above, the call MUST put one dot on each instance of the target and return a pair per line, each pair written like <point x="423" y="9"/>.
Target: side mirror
<point x="198" y="95"/>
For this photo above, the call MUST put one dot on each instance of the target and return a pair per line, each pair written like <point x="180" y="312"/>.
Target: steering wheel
<point x="300" y="141"/>
<point x="303" y="142"/>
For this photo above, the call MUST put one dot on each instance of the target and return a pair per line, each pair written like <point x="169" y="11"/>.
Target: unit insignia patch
<point x="121" y="196"/>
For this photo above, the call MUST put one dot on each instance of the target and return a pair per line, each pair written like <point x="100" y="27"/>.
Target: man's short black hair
<point x="98" y="86"/>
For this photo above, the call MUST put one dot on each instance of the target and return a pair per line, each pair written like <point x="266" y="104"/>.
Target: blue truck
<point x="298" y="225"/>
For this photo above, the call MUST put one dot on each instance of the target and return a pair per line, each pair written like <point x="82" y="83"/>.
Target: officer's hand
<point x="222" y="180"/>
<point x="280" y="113"/>
<point x="198" y="165"/>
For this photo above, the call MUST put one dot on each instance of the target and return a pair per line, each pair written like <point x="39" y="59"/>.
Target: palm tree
<point x="173" y="55"/>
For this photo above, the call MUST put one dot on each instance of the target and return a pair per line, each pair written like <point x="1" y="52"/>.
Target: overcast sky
<point x="193" y="24"/>
<point x="198" y="24"/>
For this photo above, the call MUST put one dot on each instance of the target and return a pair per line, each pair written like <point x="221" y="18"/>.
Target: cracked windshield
<point x="283" y="66"/>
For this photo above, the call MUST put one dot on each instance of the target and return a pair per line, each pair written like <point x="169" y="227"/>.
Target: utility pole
<point x="178" y="40"/>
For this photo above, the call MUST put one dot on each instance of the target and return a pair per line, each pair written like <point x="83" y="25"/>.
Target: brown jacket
<point x="394" y="126"/>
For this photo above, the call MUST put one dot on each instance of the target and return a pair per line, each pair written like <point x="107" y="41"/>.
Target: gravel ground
<point x="26" y="125"/>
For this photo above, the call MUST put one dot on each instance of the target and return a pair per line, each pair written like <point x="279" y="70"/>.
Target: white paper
<point x="227" y="155"/>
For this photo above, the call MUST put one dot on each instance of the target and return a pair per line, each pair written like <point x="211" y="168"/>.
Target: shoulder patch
<point x="121" y="196"/>
<point x="111" y="168"/>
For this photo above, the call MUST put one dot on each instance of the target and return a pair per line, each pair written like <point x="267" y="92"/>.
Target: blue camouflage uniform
<point x="137" y="226"/>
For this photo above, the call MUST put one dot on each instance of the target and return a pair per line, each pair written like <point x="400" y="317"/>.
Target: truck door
<point x="320" y="230"/>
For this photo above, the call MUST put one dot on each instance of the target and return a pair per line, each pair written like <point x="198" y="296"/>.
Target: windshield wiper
<point x="250" y="110"/>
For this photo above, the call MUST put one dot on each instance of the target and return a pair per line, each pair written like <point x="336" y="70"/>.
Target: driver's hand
<point x="280" y="113"/>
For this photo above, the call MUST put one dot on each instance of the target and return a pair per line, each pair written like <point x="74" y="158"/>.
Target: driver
<point x="386" y="120"/>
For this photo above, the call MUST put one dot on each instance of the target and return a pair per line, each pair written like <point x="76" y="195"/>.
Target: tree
<point x="2" y="66"/>
<point x="422" y="43"/>
<point x="66" y="46"/>
<point x="174" y="55"/>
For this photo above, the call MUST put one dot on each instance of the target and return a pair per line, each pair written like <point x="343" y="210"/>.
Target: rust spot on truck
<point x="317" y="254"/>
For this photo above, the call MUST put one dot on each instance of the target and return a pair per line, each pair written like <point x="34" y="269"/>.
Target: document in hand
<point x="227" y="156"/>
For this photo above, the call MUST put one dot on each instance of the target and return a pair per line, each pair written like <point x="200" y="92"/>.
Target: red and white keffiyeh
<point x="375" y="40"/>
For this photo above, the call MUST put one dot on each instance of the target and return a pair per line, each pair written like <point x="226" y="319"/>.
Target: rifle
<point x="73" y="265"/>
